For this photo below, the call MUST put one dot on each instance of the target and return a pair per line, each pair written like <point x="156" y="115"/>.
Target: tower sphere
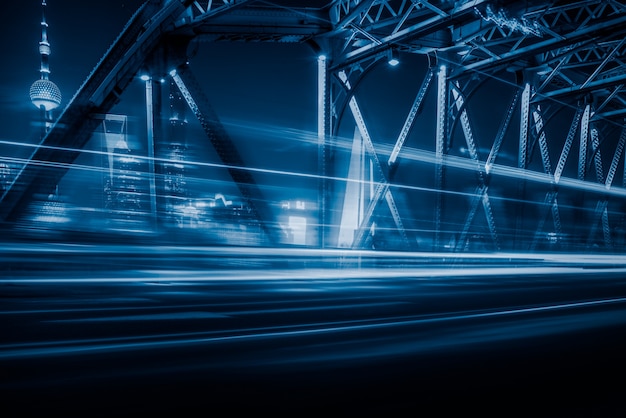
<point x="45" y="93"/>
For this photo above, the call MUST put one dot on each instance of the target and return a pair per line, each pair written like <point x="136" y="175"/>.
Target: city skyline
<point x="77" y="47"/>
<point x="78" y="41"/>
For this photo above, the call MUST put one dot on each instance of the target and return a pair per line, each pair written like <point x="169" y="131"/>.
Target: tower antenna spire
<point x="44" y="94"/>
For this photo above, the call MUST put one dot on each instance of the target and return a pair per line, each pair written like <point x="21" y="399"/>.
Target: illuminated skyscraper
<point x="125" y="188"/>
<point x="5" y="176"/>
<point x="174" y="151"/>
<point x="44" y="93"/>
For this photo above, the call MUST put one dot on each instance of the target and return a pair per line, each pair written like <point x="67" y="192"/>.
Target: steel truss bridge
<point x="512" y="139"/>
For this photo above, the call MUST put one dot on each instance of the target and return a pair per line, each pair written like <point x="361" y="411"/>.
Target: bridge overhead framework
<point x="441" y="125"/>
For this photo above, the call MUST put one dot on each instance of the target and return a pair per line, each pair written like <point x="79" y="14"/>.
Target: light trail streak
<point x="413" y="154"/>
<point x="168" y="307"/>
<point x="337" y="275"/>
<point x="285" y="253"/>
<point x="26" y="350"/>
<point x="227" y="314"/>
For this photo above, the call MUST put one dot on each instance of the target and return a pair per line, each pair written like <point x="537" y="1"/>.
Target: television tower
<point x="44" y="93"/>
<point x="46" y="96"/>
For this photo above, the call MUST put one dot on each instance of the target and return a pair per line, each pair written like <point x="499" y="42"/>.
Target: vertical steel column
<point x="550" y="201"/>
<point x="382" y="189"/>
<point x="582" y="152"/>
<point x="612" y="171"/>
<point x="522" y="157"/>
<point x="480" y="173"/>
<point x="322" y="139"/>
<point x="523" y="132"/>
<point x="616" y="158"/>
<point x="606" y="231"/>
<point x="543" y="142"/>
<point x="153" y="110"/>
<point x="495" y="149"/>
<point x="382" y="183"/>
<point x="441" y="131"/>
<point x="567" y="146"/>
<point x="597" y="155"/>
<point x="461" y="243"/>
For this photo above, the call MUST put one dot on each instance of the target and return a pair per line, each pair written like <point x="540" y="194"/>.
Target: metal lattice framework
<point x="547" y="77"/>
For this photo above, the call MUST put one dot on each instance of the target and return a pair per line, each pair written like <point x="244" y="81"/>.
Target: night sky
<point x="259" y="91"/>
<point x="264" y="93"/>
<point x="79" y="33"/>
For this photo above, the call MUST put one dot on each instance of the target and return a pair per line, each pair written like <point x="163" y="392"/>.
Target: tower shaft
<point x="44" y="94"/>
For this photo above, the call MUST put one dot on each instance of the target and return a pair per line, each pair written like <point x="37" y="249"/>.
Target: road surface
<point x="89" y="331"/>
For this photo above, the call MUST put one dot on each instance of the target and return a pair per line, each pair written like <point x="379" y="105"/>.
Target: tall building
<point x="5" y="177"/>
<point x="174" y="153"/>
<point x="44" y="94"/>
<point x="125" y="185"/>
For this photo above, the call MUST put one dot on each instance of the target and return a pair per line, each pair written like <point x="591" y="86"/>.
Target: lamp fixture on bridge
<point x="393" y="57"/>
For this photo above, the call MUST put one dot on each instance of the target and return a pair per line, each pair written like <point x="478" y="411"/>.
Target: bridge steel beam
<point x="563" y="64"/>
<point x="227" y="151"/>
<point x="98" y="94"/>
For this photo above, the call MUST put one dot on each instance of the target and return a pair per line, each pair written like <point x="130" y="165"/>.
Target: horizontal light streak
<point x="285" y="253"/>
<point x="227" y="314"/>
<point x="13" y="351"/>
<point x="174" y="316"/>
<point x="147" y="308"/>
<point x="320" y="274"/>
<point x="412" y="154"/>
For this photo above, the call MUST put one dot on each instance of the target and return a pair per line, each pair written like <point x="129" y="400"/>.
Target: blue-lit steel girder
<point x="102" y="89"/>
<point x="590" y="155"/>
<point x="323" y="135"/>
<point x="619" y="149"/>
<point x="383" y="188"/>
<point x="543" y="142"/>
<point x="497" y="143"/>
<point x="201" y="11"/>
<point x="523" y="157"/>
<point x="573" y="48"/>
<point x="463" y="243"/>
<point x="601" y="214"/>
<point x="584" y="140"/>
<point x="227" y="151"/>
<point x="440" y="148"/>
<point x="597" y="155"/>
<point x="153" y="105"/>
<point x="400" y="25"/>
<point x="524" y="121"/>
<point x="408" y="123"/>
<point x="598" y="23"/>
<point x="569" y="52"/>
<point x="485" y="43"/>
<point x="551" y="196"/>
<point x="567" y="146"/>
<point x="253" y="21"/>
<point x="480" y="168"/>
<point x="550" y="200"/>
